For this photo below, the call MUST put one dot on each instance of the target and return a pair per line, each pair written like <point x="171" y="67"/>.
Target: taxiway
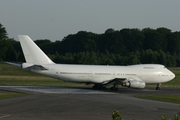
<point x="82" y="103"/>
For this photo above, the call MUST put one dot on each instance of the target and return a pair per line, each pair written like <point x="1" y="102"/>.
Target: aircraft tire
<point x="158" y="88"/>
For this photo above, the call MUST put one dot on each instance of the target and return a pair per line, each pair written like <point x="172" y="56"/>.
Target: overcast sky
<point x="55" y="19"/>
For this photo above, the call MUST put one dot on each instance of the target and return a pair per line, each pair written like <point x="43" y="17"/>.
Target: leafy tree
<point x="173" y="41"/>
<point x="3" y="33"/>
<point x="154" y="40"/>
<point x="116" y="115"/>
<point x="162" y="58"/>
<point x="110" y="30"/>
<point x="111" y="41"/>
<point x="7" y="52"/>
<point x="132" y="39"/>
<point x="113" y="47"/>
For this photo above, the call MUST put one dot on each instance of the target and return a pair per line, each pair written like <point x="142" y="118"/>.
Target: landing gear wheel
<point x="114" y="88"/>
<point x="158" y="88"/>
<point x="98" y="87"/>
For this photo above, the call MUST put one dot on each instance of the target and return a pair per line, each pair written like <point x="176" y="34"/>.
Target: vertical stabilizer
<point x="32" y="53"/>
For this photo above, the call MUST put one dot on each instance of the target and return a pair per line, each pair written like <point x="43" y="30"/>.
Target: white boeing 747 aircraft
<point x="132" y="76"/>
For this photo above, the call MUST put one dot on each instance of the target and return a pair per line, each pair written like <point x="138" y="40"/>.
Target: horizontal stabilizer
<point x="15" y="64"/>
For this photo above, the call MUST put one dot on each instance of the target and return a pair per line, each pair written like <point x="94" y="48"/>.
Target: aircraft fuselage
<point x="149" y="73"/>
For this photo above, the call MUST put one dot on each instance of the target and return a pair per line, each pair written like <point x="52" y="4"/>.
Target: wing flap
<point x="121" y="81"/>
<point x="115" y="81"/>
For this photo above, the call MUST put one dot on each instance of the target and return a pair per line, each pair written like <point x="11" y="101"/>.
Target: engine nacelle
<point x="135" y="84"/>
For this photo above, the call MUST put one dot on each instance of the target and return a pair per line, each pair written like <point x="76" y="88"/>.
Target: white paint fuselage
<point x="149" y="73"/>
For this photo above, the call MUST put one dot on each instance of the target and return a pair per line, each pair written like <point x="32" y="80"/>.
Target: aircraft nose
<point x="172" y="75"/>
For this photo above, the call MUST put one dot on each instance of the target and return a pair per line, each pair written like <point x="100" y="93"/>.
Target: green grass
<point x="14" y="76"/>
<point x="165" y="98"/>
<point x="5" y="95"/>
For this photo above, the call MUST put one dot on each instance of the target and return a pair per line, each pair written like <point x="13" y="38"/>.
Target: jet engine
<point x="134" y="84"/>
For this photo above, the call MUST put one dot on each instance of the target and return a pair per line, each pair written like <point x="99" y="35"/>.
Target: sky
<point x="56" y="19"/>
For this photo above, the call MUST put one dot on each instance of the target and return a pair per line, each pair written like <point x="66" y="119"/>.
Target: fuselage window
<point x="148" y="67"/>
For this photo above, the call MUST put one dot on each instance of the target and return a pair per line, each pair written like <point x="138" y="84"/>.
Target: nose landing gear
<point x="158" y="86"/>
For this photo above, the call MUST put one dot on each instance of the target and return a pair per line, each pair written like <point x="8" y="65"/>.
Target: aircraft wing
<point x="115" y="81"/>
<point x="133" y="82"/>
<point x="27" y="66"/>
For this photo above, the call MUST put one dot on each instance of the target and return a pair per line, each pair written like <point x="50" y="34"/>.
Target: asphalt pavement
<point x="78" y="103"/>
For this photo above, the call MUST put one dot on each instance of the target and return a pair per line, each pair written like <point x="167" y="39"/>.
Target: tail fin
<point x="33" y="54"/>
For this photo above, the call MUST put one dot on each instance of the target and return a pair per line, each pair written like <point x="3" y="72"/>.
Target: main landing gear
<point x="102" y="87"/>
<point x="98" y="87"/>
<point x="114" y="88"/>
<point x="158" y="87"/>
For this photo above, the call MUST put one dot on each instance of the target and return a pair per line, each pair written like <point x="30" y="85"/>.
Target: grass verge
<point x="15" y="76"/>
<point x="173" y="98"/>
<point x="4" y="95"/>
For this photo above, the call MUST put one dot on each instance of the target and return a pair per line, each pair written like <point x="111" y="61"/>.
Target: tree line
<point x="113" y="47"/>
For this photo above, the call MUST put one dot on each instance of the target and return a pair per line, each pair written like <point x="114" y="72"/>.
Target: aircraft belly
<point x="151" y="79"/>
<point x="77" y="78"/>
<point x="101" y="79"/>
